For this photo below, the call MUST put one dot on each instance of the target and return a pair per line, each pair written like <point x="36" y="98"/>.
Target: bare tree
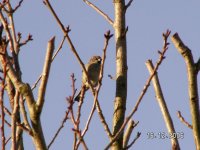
<point x="20" y="94"/>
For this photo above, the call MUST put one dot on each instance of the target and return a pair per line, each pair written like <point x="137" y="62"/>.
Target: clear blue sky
<point x="147" y="20"/>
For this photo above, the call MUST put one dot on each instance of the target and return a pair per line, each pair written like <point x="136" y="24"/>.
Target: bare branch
<point x="29" y="38"/>
<point x="8" y="124"/>
<point x="107" y="36"/>
<point x="163" y="106"/>
<point x="2" y="129"/>
<point x="45" y="74"/>
<point x="65" y="32"/>
<point x="128" y="132"/>
<point x="8" y="140"/>
<point x="128" y="4"/>
<point x="96" y="103"/>
<point x="24" y="113"/>
<point x="192" y="85"/>
<point x="18" y="6"/>
<point x="135" y="139"/>
<point x="59" y="48"/>
<point x="77" y="131"/>
<point x="36" y="82"/>
<point x="14" y="120"/>
<point x="12" y="29"/>
<point x="54" y="56"/>
<point x="59" y="129"/>
<point x="22" y="127"/>
<point x="183" y="120"/>
<point x="99" y="11"/>
<point x="161" y="58"/>
<point x="70" y="102"/>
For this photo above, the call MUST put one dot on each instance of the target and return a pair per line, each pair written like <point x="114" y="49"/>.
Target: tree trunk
<point x="121" y="71"/>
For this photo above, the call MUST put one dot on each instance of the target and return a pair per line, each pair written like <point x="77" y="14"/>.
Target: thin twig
<point x="16" y="7"/>
<point x="134" y="140"/>
<point x="7" y="111"/>
<point x="183" y="120"/>
<point x="161" y="58"/>
<point x="70" y="102"/>
<point x="107" y="36"/>
<point x="128" y="4"/>
<point x="54" y="56"/>
<point x="29" y="38"/>
<point x="8" y="140"/>
<point x="6" y="122"/>
<point x="99" y="11"/>
<point x="131" y="125"/>
<point x="96" y="103"/>
<point x="76" y="122"/>
<point x="5" y="26"/>
<point x="59" y="129"/>
<point x="71" y="45"/>
<point x="35" y="84"/>
<point x="59" y="48"/>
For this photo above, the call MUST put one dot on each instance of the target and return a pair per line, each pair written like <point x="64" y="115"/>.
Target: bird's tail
<point x="77" y="98"/>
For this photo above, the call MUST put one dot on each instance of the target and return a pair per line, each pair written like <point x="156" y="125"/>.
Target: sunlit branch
<point x="161" y="58"/>
<point x="99" y="11"/>
<point x="45" y="74"/>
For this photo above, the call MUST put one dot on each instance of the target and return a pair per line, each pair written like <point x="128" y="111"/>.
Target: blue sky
<point x="147" y="20"/>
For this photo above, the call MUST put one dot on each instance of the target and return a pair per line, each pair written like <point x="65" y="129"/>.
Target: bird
<point x="93" y="70"/>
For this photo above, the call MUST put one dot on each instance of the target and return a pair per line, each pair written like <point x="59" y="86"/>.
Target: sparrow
<point x="93" y="69"/>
